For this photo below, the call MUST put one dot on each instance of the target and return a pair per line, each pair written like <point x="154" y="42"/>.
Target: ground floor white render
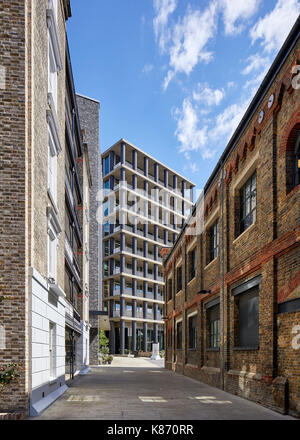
<point x="59" y="343"/>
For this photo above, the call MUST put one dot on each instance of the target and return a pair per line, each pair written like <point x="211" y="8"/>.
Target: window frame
<point x="179" y="335"/>
<point x="178" y="279"/>
<point x="214" y="334"/>
<point x="170" y="289"/>
<point x="254" y="292"/>
<point x="192" y="332"/>
<point x="214" y="241"/>
<point x="296" y="161"/>
<point x="192" y="264"/>
<point x="247" y="195"/>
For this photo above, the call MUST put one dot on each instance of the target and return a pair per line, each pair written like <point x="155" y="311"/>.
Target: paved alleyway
<point x="140" y="389"/>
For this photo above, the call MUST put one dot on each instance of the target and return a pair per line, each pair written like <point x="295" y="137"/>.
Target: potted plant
<point x="103" y="347"/>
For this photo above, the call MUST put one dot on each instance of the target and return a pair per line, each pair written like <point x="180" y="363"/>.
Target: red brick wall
<point x="270" y="247"/>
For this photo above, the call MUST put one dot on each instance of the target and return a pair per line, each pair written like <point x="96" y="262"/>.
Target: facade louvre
<point x="143" y="210"/>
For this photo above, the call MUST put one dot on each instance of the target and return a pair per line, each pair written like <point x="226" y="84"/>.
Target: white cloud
<point x="195" y="135"/>
<point x="256" y="62"/>
<point x="273" y="29"/>
<point x="191" y="138"/>
<point x="237" y="11"/>
<point x="163" y="9"/>
<point x="147" y="68"/>
<point x="226" y="122"/>
<point x="208" y="96"/>
<point x="189" y="38"/>
<point x="191" y="167"/>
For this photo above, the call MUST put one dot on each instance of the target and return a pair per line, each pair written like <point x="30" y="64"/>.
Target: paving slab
<point x="141" y="389"/>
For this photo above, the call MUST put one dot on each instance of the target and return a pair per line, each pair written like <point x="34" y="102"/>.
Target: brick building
<point x="89" y="113"/>
<point x="233" y="288"/>
<point x="45" y="189"/>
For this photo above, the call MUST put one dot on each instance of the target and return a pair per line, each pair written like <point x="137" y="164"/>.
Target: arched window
<point x="296" y="160"/>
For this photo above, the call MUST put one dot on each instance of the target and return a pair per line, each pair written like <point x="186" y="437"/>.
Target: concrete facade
<point x="144" y="206"/>
<point x="244" y="295"/>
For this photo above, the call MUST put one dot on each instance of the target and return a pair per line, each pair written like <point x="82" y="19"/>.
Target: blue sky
<point x="174" y="77"/>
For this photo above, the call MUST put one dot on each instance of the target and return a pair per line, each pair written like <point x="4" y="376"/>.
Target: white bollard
<point x="155" y="352"/>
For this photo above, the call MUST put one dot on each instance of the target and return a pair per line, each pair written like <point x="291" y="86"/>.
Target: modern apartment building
<point x="144" y="207"/>
<point x="45" y="189"/>
<point x="233" y="287"/>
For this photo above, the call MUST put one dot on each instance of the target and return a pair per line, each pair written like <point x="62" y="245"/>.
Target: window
<point x="105" y="208"/>
<point x="248" y="318"/>
<point x="213" y="238"/>
<point x="179" y="335"/>
<point x="52" y="173"/>
<point x="193" y="331"/>
<point x="296" y="161"/>
<point x="106" y="289"/>
<point x="169" y="338"/>
<point x="52" y="346"/>
<point x="179" y="278"/>
<point x="213" y="314"/>
<point x="248" y="203"/>
<point x="106" y="248"/>
<point x="106" y="229"/>
<point x="170" y="288"/>
<point x="52" y="74"/>
<point x="192" y="264"/>
<point x="106" y="185"/>
<point x="105" y="265"/>
<point x="106" y="169"/>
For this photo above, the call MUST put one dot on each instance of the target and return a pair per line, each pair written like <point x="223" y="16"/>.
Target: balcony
<point x="139" y="314"/>
<point x="139" y="293"/>
<point x="116" y="313"/>
<point x="128" y="313"/>
<point x="116" y="292"/>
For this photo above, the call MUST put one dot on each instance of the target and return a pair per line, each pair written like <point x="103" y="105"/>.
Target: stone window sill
<point x="193" y="279"/>
<point x="243" y="233"/>
<point x="213" y="349"/>
<point x="211" y="263"/>
<point x="246" y="348"/>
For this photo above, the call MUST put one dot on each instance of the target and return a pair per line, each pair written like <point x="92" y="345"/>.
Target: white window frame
<point x="52" y="350"/>
<point x="52" y="173"/>
<point x="54" y="231"/>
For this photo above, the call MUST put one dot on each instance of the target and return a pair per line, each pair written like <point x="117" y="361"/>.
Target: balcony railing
<point x="116" y="313"/>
